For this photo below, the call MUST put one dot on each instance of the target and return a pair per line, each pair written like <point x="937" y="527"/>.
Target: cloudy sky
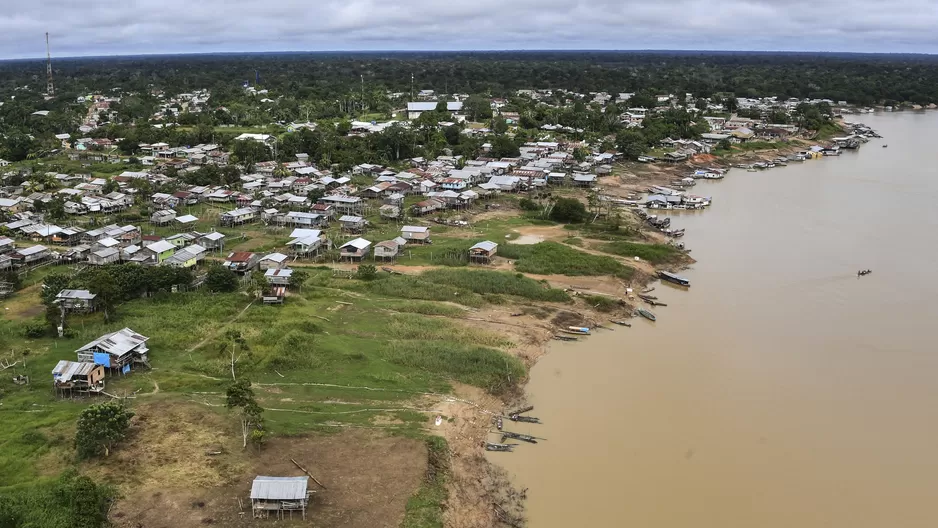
<point x="116" y="27"/>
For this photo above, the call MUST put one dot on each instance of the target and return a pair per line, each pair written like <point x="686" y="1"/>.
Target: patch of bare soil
<point x="184" y="467"/>
<point x="475" y="486"/>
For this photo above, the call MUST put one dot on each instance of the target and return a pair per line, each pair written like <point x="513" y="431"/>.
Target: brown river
<point x="780" y="390"/>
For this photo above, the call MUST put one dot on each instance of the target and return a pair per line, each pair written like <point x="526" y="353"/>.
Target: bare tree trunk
<point x="233" y="378"/>
<point x="244" y="434"/>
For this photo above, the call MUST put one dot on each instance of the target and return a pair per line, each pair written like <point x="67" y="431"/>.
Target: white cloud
<point x="114" y="27"/>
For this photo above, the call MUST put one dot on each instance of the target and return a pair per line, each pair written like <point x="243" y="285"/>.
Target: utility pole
<point x="363" y="93"/>
<point x="50" y="88"/>
<point x="411" y="86"/>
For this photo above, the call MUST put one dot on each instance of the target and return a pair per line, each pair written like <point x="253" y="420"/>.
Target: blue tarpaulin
<point x="126" y="369"/>
<point x="102" y="358"/>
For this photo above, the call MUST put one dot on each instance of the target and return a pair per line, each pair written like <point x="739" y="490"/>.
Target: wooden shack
<point x="119" y="350"/>
<point x="280" y="496"/>
<point x="483" y="252"/>
<point x="69" y="377"/>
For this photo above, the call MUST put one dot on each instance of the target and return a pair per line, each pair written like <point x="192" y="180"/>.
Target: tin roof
<point x="279" y="488"/>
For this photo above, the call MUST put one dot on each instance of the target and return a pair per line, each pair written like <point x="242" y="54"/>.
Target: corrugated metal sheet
<point x="279" y="488"/>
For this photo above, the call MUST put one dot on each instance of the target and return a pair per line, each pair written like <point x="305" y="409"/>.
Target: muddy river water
<point x="780" y="390"/>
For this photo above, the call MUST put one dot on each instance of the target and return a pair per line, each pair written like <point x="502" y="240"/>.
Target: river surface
<point x="778" y="391"/>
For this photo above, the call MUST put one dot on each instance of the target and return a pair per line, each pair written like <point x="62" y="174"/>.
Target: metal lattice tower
<point x="50" y="88"/>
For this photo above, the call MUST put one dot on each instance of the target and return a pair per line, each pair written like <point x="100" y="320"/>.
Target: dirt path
<point x="220" y="329"/>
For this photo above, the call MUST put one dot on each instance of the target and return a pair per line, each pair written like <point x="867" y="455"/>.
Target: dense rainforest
<point x="862" y="79"/>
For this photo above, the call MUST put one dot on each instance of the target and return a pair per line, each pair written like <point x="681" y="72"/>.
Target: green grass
<point x="496" y="282"/>
<point x="573" y="241"/>
<point x="654" y="253"/>
<point x="314" y="363"/>
<point x="425" y="508"/>
<point x="551" y="258"/>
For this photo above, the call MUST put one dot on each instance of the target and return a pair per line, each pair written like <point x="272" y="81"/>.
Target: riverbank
<point x="759" y="385"/>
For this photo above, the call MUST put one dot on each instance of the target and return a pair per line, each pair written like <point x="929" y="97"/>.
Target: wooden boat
<point x="574" y="332"/>
<point x="498" y="423"/>
<point x="518" y="436"/>
<point x="489" y="446"/>
<point x="646" y="314"/>
<point x="566" y="338"/>
<point x="579" y="329"/>
<point x="674" y="278"/>
<point x="525" y="419"/>
<point x="620" y="323"/>
<point x="654" y="303"/>
<point x="648" y="290"/>
<point x="522" y="410"/>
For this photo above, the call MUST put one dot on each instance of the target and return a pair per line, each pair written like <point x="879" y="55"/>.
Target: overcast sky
<point x="119" y="27"/>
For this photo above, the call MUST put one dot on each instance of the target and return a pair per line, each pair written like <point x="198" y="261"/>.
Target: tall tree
<point x="240" y="396"/>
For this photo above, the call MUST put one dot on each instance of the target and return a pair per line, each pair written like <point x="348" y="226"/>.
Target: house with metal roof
<point x="70" y="376"/>
<point x="242" y="262"/>
<point x="353" y="224"/>
<point x="30" y="255"/>
<point x="279" y="495"/>
<point x="483" y="252"/>
<point x="75" y="300"/>
<point x="419" y="234"/>
<point x="120" y="350"/>
<point x="356" y="249"/>
<point x="273" y="261"/>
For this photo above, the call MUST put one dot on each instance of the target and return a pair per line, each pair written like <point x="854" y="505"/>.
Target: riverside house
<point x="483" y="252"/>
<point x="120" y="350"/>
<point x="356" y="249"/>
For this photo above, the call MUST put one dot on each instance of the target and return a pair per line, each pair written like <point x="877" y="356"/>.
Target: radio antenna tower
<point x="50" y="88"/>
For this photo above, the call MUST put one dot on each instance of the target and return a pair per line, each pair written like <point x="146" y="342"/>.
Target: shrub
<point x="219" y="279"/>
<point x="568" y="210"/>
<point x="529" y="205"/>
<point x="367" y="272"/>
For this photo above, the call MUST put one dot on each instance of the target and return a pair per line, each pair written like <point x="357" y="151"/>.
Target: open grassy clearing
<point x="654" y="253"/>
<point x="318" y="365"/>
<point x="552" y="258"/>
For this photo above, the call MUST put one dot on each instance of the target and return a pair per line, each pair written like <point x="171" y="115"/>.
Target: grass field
<point x="654" y="253"/>
<point x="551" y="258"/>
<point x="365" y="362"/>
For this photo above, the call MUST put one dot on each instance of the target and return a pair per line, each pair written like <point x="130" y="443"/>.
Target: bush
<point x="367" y="272"/>
<point x="529" y="205"/>
<point x="35" y="330"/>
<point x="568" y="210"/>
<point x="218" y="279"/>
<point x="483" y="367"/>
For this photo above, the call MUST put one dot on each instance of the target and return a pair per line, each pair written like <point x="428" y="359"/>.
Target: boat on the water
<point x="522" y="410"/>
<point x="489" y="446"/>
<point x="579" y="329"/>
<point x="646" y="314"/>
<point x="566" y="338"/>
<point x="884" y="146"/>
<point x="620" y="323"/>
<point x="673" y="277"/>
<point x="525" y="419"/>
<point x="518" y="436"/>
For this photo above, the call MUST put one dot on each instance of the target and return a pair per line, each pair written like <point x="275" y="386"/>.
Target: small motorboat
<point x="646" y="314"/>
<point x="620" y="323"/>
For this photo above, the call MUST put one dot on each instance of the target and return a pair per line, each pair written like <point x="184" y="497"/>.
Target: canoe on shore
<point x="620" y="323"/>
<point x="646" y="314"/>
<point x="489" y="446"/>
<point x="566" y="338"/>
<point x="574" y="332"/>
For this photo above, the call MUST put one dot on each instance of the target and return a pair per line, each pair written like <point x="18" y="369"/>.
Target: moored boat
<point x="620" y="323"/>
<point x="673" y="277"/>
<point x="646" y="314"/>
<point x="579" y="329"/>
<point x="489" y="446"/>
